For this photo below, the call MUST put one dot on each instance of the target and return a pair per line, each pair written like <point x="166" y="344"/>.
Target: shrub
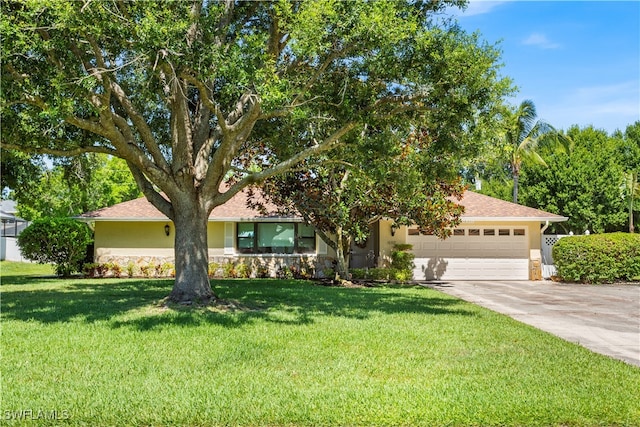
<point x="158" y="270"/>
<point x="131" y="269"/>
<point x="328" y="273"/>
<point x="147" y="269"/>
<point x="101" y="270"/>
<point x="59" y="241"/>
<point x="242" y="271"/>
<point x="380" y="273"/>
<point x="90" y="269"/>
<point x="262" y="272"/>
<point x="358" y="273"/>
<point x="402" y="262"/>
<point x="284" y="272"/>
<point x="598" y="258"/>
<point x="214" y="270"/>
<point x="167" y="269"/>
<point x="229" y="270"/>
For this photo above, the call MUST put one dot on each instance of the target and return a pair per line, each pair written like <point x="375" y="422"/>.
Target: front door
<point x="366" y="255"/>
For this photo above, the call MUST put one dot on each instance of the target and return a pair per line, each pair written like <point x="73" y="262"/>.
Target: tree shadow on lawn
<point x="242" y="302"/>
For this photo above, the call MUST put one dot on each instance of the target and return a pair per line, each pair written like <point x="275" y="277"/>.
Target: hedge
<point x="598" y="258"/>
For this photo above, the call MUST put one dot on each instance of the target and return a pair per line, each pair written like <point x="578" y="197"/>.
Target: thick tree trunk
<point x="191" y="257"/>
<point x="516" y="178"/>
<point x="631" y="226"/>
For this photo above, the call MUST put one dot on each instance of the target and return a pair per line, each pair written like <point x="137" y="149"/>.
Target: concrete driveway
<point x="603" y="318"/>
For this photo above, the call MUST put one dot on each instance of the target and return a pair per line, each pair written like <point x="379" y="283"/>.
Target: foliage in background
<point x="592" y="183"/>
<point x="59" y="241"/>
<point x="598" y="258"/>
<point x="586" y="185"/>
<point x="522" y="135"/>
<point x="76" y="185"/>
<point x="513" y="144"/>
<point x="629" y="149"/>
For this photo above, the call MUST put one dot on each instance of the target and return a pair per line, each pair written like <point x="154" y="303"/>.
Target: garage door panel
<point x="471" y="257"/>
<point x="471" y="269"/>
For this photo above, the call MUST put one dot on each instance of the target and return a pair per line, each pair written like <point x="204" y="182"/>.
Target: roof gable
<point x="481" y="207"/>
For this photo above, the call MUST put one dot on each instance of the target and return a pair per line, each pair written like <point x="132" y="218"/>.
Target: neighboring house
<point x="496" y="240"/>
<point x="12" y="226"/>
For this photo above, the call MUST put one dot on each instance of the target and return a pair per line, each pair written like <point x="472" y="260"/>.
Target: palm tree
<point x="522" y="135"/>
<point x="633" y="188"/>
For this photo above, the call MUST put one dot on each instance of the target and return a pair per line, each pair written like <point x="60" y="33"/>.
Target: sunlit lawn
<point x="105" y="352"/>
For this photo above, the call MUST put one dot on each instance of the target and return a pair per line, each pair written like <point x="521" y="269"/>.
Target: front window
<point x="275" y="238"/>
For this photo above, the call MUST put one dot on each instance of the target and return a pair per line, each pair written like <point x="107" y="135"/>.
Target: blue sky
<point x="578" y="61"/>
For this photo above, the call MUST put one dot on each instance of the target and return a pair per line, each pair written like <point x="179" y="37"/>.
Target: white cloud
<point x="620" y="98"/>
<point x="609" y="107"/>
<point x="541" y="41"/>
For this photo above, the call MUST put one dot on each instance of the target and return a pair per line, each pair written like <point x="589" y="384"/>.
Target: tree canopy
<point x="203" y="98"/>
<point x="409" y="179"/>
<point x="586" y="184"/>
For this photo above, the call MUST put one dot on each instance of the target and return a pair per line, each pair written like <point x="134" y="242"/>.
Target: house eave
<point x="165" y="219"/>
<point x="513" y="219"/>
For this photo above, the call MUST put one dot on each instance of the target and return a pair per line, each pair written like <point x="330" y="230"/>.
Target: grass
<point x="104" y="352"/>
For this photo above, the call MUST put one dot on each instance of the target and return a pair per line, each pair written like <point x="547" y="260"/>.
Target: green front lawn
<point x="104" y="352"/>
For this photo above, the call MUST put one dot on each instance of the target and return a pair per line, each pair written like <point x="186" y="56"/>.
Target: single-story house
<point x="496" y="239"/>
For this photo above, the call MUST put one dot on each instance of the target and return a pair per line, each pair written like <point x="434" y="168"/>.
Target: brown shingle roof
<point x="142" y="210"/>
<point x="478" y="207"/>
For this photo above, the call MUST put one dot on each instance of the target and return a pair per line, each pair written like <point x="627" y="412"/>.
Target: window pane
<point x="305" y="230"/>
<point x="518" y="232"/>
<point x="458" y="232"/>
<point x="489" y="232"/>
<point x="245" y="229"/>
<point x="245" y="245"/>
<point x="504" y="232"/>
<point x="474" y="232"/>
<point x="276" y="238"/>
<point x="306" y="245"/>
<point x="245" y="237"/>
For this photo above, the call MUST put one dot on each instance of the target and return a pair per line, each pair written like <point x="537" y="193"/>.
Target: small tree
<point x="407" y="179"/>
<point x="60" y="241"/>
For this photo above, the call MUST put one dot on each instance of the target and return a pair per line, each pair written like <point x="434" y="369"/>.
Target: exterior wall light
<point x="167" y="229"/>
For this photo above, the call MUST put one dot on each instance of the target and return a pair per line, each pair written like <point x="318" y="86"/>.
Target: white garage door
<point x="472" y="253"/>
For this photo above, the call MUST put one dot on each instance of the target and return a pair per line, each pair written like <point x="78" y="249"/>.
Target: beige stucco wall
<point x="146" y="241"/>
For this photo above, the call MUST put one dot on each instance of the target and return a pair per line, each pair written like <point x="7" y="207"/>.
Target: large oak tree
<point x="203" y="98"/>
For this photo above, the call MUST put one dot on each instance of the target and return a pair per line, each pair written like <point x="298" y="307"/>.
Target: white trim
<point x="229" y="238"/>
<point x="165" y="219"/>
<point x="513" y="219"/>
<point x="321" y="245"/>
